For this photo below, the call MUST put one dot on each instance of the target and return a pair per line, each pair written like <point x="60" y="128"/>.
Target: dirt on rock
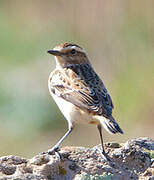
<point x="132" y="160"/>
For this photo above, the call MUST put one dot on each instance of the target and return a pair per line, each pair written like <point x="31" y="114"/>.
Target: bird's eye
<point x="73" y="51"/>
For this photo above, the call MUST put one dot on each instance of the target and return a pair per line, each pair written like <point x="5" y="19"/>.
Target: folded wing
<point x="88" y="93"/>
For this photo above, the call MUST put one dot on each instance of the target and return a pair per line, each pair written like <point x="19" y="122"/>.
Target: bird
<point x="79" y="93"/>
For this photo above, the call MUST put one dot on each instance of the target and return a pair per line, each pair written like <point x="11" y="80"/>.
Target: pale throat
<point x="61" y="63"/>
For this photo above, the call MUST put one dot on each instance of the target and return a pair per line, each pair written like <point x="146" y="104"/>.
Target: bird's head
<point x="68" y="54"/>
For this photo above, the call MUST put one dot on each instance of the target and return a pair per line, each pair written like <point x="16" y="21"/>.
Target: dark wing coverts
<point x="80" y="85"/>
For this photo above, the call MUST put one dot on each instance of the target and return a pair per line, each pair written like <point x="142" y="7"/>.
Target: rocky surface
<point x="132" y="160"/>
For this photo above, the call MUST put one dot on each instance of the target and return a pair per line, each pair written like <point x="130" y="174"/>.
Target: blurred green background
<point x="119" y="39"/>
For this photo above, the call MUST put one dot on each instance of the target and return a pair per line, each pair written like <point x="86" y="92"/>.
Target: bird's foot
<point x="104" y="155"/>
<point x="55" y="150"/>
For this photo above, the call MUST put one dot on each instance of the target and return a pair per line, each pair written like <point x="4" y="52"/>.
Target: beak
<point x="54" y="52"/>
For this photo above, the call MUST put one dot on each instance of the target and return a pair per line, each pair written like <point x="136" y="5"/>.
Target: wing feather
<point x="82" y="87"/>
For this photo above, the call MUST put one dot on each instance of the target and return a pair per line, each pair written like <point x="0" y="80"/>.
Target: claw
<point x="104" y="155"/>
<point x="55" y="150"/>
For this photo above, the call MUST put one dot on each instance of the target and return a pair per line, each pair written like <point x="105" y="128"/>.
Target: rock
<point x="132" y="160"/>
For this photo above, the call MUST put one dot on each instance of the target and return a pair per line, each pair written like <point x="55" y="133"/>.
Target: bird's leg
<point x="100" y="133"/>
<point x="104" y="155"/>
<point x="56" y="147"/>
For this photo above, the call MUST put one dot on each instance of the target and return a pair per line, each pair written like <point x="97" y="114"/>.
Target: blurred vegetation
<point x="119" y="39"/>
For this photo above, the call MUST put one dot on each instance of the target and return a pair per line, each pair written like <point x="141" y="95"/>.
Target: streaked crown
<point x="68" y="53"/>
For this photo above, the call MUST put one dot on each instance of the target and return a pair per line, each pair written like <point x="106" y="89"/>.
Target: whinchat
<point x="79" y="92"/>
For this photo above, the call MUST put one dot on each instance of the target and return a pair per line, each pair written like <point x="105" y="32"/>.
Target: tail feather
<point x="110" y="125"/>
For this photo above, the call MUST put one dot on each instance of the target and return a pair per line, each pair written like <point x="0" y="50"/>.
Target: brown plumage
<point x="80" y="85"/>
<point x="75" y="84"/>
